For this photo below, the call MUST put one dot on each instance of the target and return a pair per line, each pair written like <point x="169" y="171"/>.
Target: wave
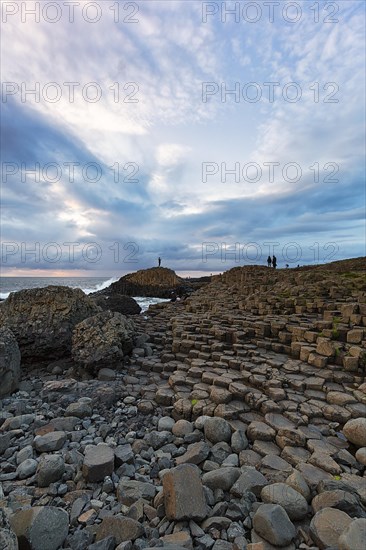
<point x="4" y="295"/>
<point x="101" y="286"/>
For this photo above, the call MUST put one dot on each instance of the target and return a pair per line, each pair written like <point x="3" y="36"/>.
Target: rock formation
<point x="238" y="422"/>
<point x="158" y="282"/>
<point x="42" y="320"/>
<point x="9" y="362"/>
<point x="116" y="302"/>
<point x="102" y="340"/>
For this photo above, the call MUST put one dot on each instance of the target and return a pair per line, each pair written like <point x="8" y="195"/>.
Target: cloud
<point x="150" y="121"/>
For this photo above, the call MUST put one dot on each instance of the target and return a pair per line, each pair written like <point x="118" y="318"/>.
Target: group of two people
<point x="272" y="261"/>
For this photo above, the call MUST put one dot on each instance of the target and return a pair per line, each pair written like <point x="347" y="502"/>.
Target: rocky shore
<point x="232" y="420"/>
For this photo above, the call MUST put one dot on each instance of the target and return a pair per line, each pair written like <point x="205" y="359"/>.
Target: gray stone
<point x="273" y="524"/>
<point x="109" y="543"/>
<point x="41" y="527"/>
<point x="219" y="452"/>
<point x="312" y="474"/>
<point x="158" y="439"/>
<point x="248" y="457"/>
<point x="293" y="502"/>
<point x="80" y="539"/>
<point x="216" y="522"/>
<point x="9" y="362"/>
<point x="203" y="543"/>
<point x="222" y="545"/>
<point x="24" y="453"/>
<point x="50" y="469"/>
<point x="291" y="437"/>
<point x="182" y="427"/>
<point x="342" y="500"/>
<point x="98" y="462"/>
<point x="260" y="430"/>
<point x="297" y="482"/>
<point x="123" y="453"/>
<point x="4" y="442"/>
<point x="361" y="455"/>
<point x="8" y="539"/>
<point x="250" y="480"/>
<point x="327" y="526"/>
<point x="65" y="423"/>
<point x="354" y="536"/>
<point x="355" y="431"/>
<point x="277" y="421"/>
<point x="15" y="422"/>
<point x="295" y="455"/>
<point x="263" y="544"/>
<point x="129" y="492"/>
<point x="79" y="410"/>
<point x="217" y="429"/>
<point x="165" y="424"/>
<point x="27" y="468"/>
<point x="121" y="528"/>
<point x="52" y="441"/>
<point x="183" y="494"/>
<point x="195" y="454"/>
<point x="266" y="447"/>
<point x="181" y="538"/>
<point x="222" y="478"/>
<point x="106" y="375"/>
<point x="275" y="468"/>
<point x="239" y="441"/>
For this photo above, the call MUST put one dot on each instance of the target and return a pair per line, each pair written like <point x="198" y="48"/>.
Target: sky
<point x="209" y="134"/>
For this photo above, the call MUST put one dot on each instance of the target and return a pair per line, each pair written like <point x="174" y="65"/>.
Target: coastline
<point x="255" y="351"/>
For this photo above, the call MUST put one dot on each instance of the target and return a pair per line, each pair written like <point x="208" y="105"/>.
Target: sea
<point x="87" y="285"/>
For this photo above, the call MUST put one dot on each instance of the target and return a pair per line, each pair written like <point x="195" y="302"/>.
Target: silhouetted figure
<point x="287" y="266"/>
<point x="159" y="261"/>
<point x="269" y="261"/>
<point x="274" y="261"/>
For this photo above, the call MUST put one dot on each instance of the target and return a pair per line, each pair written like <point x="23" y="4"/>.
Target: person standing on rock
<point x="274" y="261"/>
<point x="159" y="261"/>
<point x="269" y="261"/>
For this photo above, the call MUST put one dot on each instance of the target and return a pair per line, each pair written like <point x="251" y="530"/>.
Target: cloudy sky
<point x="206" y="133"/>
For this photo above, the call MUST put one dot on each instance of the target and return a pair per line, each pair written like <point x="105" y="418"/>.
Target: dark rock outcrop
<point x="42" y="319"/>
<point x="102" y="340"/>
<point x="158" y="281"/>
<point x="9" y="362"/>
<point x="117" y="302"/>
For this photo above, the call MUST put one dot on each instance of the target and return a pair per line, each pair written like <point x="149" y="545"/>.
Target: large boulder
<point x="102" y="340"/>
<point x="273" y="524"/>
<point x="42" y="319"/>
<point x="9" y="362"/>
<point x="40" y="527"/>
<point x="116" y="302"/>
<point x="327" y="526"/>
<point x="184" y="497"/>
